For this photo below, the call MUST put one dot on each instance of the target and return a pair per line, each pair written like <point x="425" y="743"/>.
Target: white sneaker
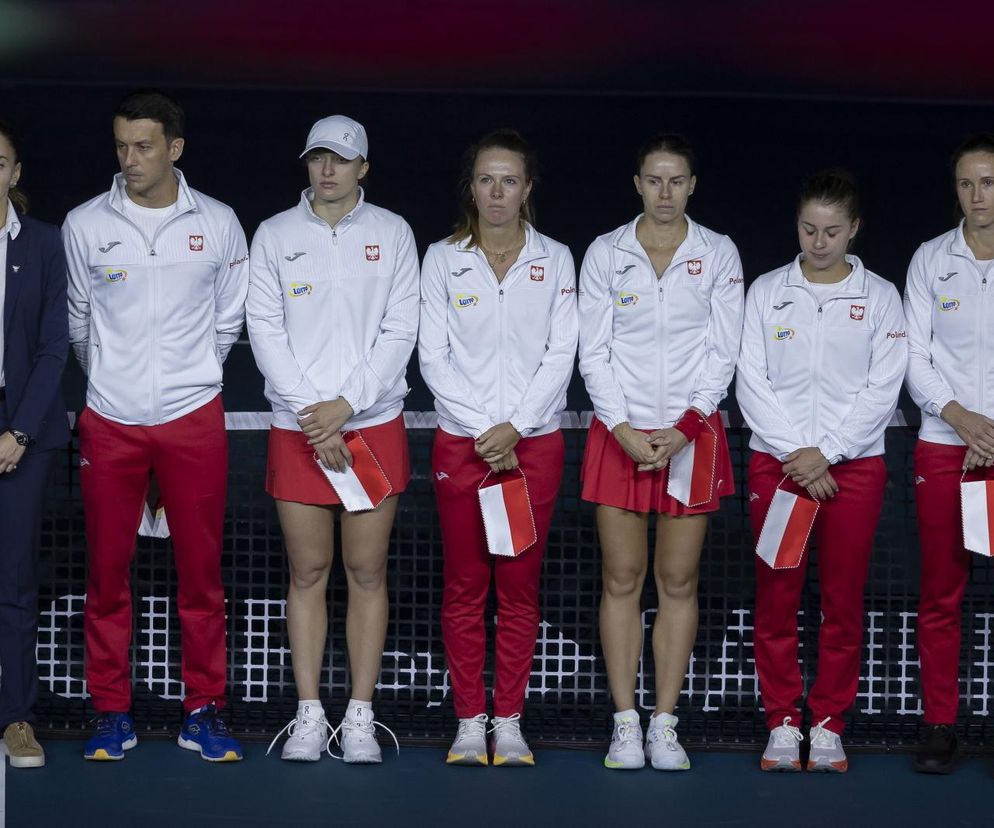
<point x="470" y="745"/>
<point x="358" y="737"/>
<point x="826" y="750"/>
<point x="509" y="747"/>
<point x="783" y="750"/>
<point x="661" y="746"/>
<point x="306" y="733"/>
<point x="626" y="751"/>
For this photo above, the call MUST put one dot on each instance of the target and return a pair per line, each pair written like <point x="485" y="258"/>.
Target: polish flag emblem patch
<point x="694" y="267"/>
<point x="363" y="486"/>
<point x="856" y="312"/>
<point x="786" y="529"/>
<point x="196" y="243"/>
<point x="537" y="273"/>
<point x="977" y="498"/>
<point x="508" y="521"/>
<point x="692" y="470"/>
<point x="372" y="252"/>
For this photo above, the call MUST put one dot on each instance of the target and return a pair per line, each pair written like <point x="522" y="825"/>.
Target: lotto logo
<point x="196" y="243"/>
<point x="947" y="303"/>
<point x="783" y="334"/>
<point x="537" y="273"/>
<point x="372" y="252"/>
<point x="856" y="312"/>
<point x="694" y="267"/>
<point x="626" y="300"/>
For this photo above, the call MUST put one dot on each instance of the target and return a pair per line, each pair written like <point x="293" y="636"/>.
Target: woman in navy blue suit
<point x="34" y="342"/>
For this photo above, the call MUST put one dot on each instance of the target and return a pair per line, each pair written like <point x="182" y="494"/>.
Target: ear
<point x="638" y="183"/>
<point x="176" y="149"/>
<point x="854" y="229"/>
<point x="528" y="191"/>
<point x="17" y="174"/>
<point x="693" y="184"/>
<point x="363" y="170"/>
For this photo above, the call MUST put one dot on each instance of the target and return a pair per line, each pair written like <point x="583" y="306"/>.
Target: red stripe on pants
<point x="458" y="473"/>
<point x="843" y="531"/>
<point x="190" y="459"/>
<point x="945" y="568"/>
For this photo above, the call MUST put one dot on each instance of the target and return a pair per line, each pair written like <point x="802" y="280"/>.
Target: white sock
<point x="316" y="710"/>
<point x="622" y="716"/>
<point x="356" y="704"/>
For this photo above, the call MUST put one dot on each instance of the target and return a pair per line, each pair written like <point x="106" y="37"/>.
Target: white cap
<point x="338" y="134"/>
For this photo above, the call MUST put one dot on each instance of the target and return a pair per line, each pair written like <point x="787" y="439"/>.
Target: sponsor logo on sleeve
<point x="300" y="289"/>
<point x="464" y="300"/>
<point x="196" y="243"/>
<point x="114" y="275"/>
<point x="537" y="273"/>
<point x="372" y="252"/>
<point x="947" y="303"/>
<point x="626" y="300"/>
<point x="857" y="312"/>
<point x="694" y="267"/>
<point x="783" y="334"/>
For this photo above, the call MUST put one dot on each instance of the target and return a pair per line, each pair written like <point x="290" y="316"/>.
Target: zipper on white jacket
<point x="816" y="353"/>
<point x="982" y="350"/>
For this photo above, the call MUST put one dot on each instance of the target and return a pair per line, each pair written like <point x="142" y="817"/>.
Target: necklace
<point x="500" y="256"/>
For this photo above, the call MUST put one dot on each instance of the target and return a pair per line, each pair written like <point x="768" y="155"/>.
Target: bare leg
<point x="678" y="556"/>
<point x="624" y="550"/>
<point x="309" y="534"/>
<point x="365" y="544"/>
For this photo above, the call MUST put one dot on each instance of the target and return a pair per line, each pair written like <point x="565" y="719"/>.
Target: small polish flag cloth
<point x="363" y="486"/>
<point x="977" y="498"/>
<point x="153" y="524"/>
<point x="507" y="516"/>
<point x="786" y="529"/>
<point x="693" y="469"/>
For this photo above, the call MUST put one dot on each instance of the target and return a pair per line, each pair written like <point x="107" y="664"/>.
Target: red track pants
<point x="844" y="531"/>
<point x="468" y="565"/>
<point x="190" y="459"/>
<point x="945" y="568"/>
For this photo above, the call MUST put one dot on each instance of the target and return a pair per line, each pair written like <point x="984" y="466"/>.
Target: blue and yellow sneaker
<point x="115" y="733"/>
<point x="205" y="732"/>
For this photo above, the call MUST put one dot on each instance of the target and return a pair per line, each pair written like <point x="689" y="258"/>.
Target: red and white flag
<point x="507" y="516"/>
<point x="363" y="485"/>
<point x="693" y="468"/>
<point x="977" y="497"/>
<point x="786" y="529"/>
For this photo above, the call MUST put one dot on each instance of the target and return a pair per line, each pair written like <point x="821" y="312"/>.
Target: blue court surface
<point x="158" y="784"/>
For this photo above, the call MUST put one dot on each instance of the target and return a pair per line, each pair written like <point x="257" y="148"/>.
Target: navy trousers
<point x="22" y="493"/>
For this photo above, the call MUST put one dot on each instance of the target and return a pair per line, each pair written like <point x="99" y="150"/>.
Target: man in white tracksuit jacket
<point x="158" y="274"/>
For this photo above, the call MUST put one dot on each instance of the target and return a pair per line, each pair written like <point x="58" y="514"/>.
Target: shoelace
<point x="664" y="735"/>
<point x="511" y="723"/>
<point x="628" y="732"/>
<point x="21" y="733"/>
<point x="364" y="728"/>
<point x="304" y="724"/>
<point x="103" y="724"/>
<point x="821" y="736"/>
<point x="786" y="734"/>
<point x="210" y="718"/>
<point x="466" y="726"/>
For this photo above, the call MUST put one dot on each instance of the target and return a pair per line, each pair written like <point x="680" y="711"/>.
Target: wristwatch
<point x="21" y="438"/>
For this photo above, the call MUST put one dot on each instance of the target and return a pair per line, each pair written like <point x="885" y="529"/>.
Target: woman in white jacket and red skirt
<point x="824" y="351"/>
<point x="661" y="314"/>
<point x="496" y="344"/>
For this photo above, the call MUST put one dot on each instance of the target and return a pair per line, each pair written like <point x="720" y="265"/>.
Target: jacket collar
<point x="535" y="246"/>
<point x="857" y="286"/>
<point x="307" y="206"/>
<point x="13" y="224"/>
<point x="184" y="198"/>
<point x="697" y="243"/>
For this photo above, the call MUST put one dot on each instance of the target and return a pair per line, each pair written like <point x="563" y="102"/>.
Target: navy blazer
<point x="35" y="335"/>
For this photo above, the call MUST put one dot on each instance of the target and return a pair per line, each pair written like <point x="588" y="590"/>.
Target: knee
<point x="677" y="587"/>
<point x="306" y="575"/>
<point x="366" y="577"/>
<point x="622" y="582"/>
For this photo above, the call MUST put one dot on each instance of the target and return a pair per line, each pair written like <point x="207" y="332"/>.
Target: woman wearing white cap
<point x="824" y="351"/>
<point x="332" y="316"/>
<point x="497" y="342"/>
<point x="661" y="315"/>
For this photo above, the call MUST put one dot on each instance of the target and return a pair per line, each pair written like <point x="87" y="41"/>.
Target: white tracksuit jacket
<point x="494" y="353"/>
<point x="333" y="312"/>
<point x="950" y="311"/>
<point x="152" y="320"/>
<point x="651" y="348"/>
<point x="821" y="375"/>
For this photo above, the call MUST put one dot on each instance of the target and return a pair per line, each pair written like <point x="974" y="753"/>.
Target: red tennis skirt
<point x="292" y="474"/>
<point x="609" y="476"/>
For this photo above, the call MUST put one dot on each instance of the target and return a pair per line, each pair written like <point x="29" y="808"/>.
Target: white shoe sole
<point x="782" y="765"/>
<point x="632" y="764"/>
<point x="26" y="761"/>
<point x="300" y="757"/>
<point x="187" y="744"/>
<point x="102" y="755"/>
